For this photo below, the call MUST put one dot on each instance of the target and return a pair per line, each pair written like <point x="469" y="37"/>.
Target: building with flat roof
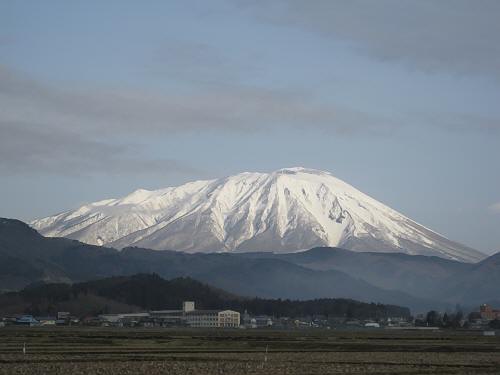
<point x="203" y="318"/>
<point x="213" y="319"/>
<point x="228" y="319"/>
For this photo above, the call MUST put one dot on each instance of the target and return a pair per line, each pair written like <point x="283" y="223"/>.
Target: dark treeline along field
<point x="151" y="292"/>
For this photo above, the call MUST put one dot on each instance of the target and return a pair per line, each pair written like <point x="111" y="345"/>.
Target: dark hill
<point x="151" y="292"/>
<point x="63" y="260"/>
<point x="419" y="282"/>
<point x="417" y="275"/>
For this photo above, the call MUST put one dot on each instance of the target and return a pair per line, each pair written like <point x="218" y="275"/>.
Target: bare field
<point x="65" y="350"/>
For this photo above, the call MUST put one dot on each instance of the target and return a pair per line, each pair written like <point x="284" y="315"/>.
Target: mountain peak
<point x="292" y="170"/>
<point x="286" y="210"/>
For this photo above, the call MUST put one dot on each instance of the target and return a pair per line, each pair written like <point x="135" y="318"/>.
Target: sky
<point x="399" y="98"/>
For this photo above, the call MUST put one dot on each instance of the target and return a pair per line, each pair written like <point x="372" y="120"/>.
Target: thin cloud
<point x="61" y="130"/>
<point x="31" y="149"/>
<point x="495" y="208"/>
<point x="458" y="36"/>
<point x="460" y="121"/>
<point x="222" y="107"/>
<point x="196" y="62"/>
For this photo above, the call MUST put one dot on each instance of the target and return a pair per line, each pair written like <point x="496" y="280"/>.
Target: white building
<point x="212" y="318"/>
<point x="229" y="319"/>
<point x="187" y="306"/>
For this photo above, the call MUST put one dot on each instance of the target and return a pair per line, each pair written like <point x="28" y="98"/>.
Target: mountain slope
<point x="419" y="282"/>
<point x="420" y="276"/>
<point x="63" y="260"/>
<point x="283" y="211"/>
<point x="481" y="284"/>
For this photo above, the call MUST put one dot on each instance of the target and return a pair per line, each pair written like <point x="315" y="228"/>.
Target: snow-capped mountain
<point x="283" y="211"/>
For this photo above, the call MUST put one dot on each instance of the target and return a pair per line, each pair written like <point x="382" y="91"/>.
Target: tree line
<point x="151" y="292"/>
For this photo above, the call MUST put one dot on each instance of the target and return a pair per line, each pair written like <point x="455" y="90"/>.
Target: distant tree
<point x="457" y="319"/>
<point x="446" y="320"/>
<point x="33" y="310"/>
<point x="495" y="324"/>
<point x="474" y="316"/>
<point x="420" y="322"/>
<point x="349" y="313"/>
<point x="433" y="318"/>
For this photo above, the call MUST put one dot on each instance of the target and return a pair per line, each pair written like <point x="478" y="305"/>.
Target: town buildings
<point x="190" y="317"/>
<point x="488" y="313"/>
<point x="187" y="317"/>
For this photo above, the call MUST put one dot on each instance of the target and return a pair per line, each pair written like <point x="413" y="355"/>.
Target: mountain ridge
<point x="286" y="210"/>
<point x="419" y="282"/>
<point x="64" y="260"/>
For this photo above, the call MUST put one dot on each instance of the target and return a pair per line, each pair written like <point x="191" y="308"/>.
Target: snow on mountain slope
<point x="287" y="210"/>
